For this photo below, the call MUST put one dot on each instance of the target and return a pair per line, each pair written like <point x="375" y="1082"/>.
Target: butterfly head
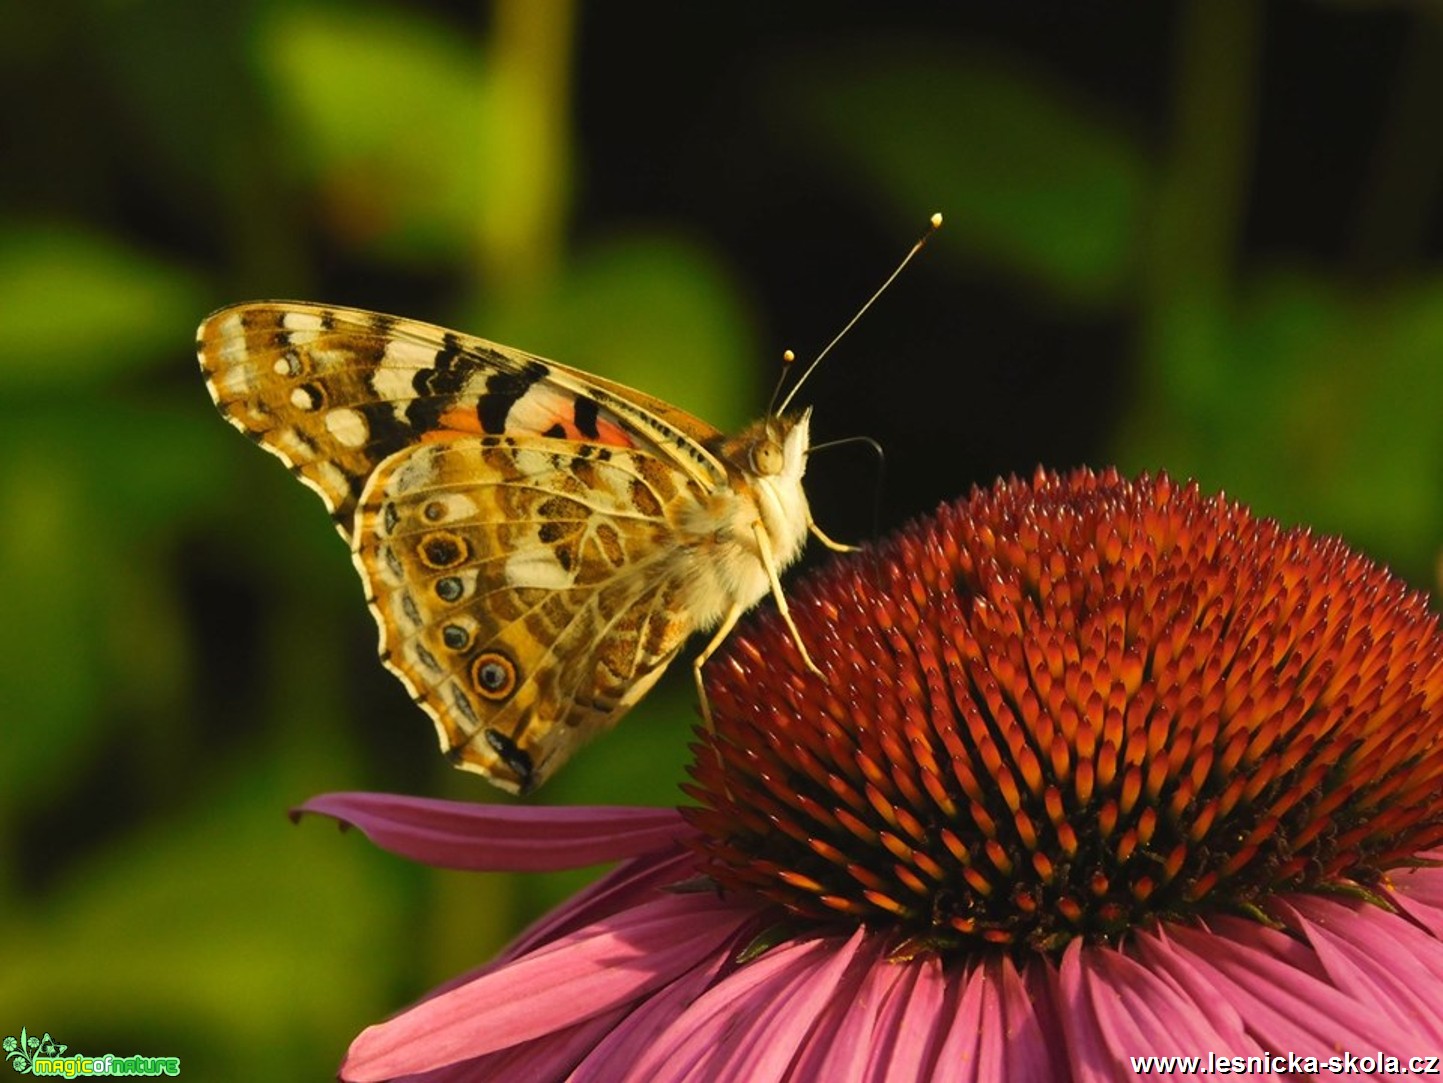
<point x="774" y="447"/>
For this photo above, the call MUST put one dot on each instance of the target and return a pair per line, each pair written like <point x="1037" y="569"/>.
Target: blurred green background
<point x="1201" y="236"/>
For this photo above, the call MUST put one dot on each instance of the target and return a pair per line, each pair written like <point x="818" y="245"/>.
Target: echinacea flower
<point x="1099" y="770"/>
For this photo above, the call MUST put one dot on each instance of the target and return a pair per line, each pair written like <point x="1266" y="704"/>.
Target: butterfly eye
<point x="767" y="458"/>
<point x="493" y="675"/>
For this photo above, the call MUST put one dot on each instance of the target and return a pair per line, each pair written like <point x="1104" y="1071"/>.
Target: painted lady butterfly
<point x="536" y="543"/>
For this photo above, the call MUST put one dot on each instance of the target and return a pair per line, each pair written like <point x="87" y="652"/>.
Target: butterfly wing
<point x="527" y="592"/>
<point x="333" y="392"/>
<point x="515" y="520"/>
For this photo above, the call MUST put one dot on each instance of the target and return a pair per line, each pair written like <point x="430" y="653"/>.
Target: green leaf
<point x="1029" y="176"/>
<point x="1315" y="404"/>
<point x="223" y="935"/>
<point x="651" y="311"/>
<point x="388" y="111"/>
<point x="81" y="308"/>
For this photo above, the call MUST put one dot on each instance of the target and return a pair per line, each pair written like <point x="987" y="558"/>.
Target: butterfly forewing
<point x="334" y="391"/>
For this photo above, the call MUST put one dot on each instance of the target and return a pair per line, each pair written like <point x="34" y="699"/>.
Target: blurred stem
<point x="524" y="217"/>
<point x="1197" y="220"/>
<point x="1407" y="165"/>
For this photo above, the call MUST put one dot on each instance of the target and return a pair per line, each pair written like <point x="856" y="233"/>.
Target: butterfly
<point x="536" y="543"/>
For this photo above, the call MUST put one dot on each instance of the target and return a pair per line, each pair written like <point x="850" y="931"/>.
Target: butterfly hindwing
<point x="527" y="592"/>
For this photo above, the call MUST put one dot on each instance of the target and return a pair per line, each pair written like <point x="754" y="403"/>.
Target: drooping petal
<point x="550" y="1056"/>
<point x="753" y="1020"/>
<point x="1114" y="1008"/>
<point x="1279" y="989"/>
<point x="628" y="1041"/>
<point x="500" y="838"/>
<point x="1379" y="959"/>
<point x="1419" y="893"/>
<point x="910" y="1028"/>
<point x="998" y="1025"/>
<point x="565" y="982"/>
<point x="639" y="880"/>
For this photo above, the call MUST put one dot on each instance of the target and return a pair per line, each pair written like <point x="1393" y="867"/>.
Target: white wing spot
<point x="304" y="399"/>
<point x="393" y="379"/>
<point x="347" y="426"/>
<point x="537" y="568"/>
<point x="301" y="321"/>
<point x="231" y="335"/>
<point x="288" y="364"/>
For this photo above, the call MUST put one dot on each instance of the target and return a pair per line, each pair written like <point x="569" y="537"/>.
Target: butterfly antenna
<point x="787" y="359"/>
<point x="932" y="227"/>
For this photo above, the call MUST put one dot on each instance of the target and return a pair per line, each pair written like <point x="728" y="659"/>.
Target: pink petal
<point x="850" y="1046"/>
<point x="1377" y="958"/>
<point x="548" y="1057"/>
<point x="627" y="885"/>
<point x="911" y="1029"/>
<point x="501" y="838"/>
<point x="996" y="1026"/>
<point x="1274" y="983"/>
<point x="748" y="1025"/>
<point x="622" y="888"/>
<point x="1419" y="893"/>
<point x="1115" y="1008"/>
<point x="561" y="984"/>
<point x="632" y="1036"/>
<point x="819" y="1044"/>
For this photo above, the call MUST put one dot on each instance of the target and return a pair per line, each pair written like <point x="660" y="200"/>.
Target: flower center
<point x="1070" y="707"/>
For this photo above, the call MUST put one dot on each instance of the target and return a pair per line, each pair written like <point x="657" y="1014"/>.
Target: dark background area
<point x="1200" y="237"/>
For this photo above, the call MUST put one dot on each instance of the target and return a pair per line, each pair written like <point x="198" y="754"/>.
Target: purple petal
<point x="562" y="984"/>
<point x="501" y="838"/>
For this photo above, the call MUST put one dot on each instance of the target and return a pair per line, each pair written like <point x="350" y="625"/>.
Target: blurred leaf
<point x="1315" y="404"/>
<point x="80" y="308"/>
<point x="102" y="491"/>
<point x="1027" y="173"/>
<point x="224" y="935"/>
<point x="389" y="114"/>
<point x="652" y="311"/>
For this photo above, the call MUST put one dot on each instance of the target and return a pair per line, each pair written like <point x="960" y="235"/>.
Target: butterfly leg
<point x="764" y="546"/>
<point x="725" y="629"/>
<point x="834" y="546"/>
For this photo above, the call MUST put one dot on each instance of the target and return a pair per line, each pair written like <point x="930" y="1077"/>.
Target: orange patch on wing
<point x="461" y="421"/>
<point x="454" y="423"/>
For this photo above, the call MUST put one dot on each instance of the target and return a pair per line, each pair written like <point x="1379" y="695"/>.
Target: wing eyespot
<point x="493" y="675"/>
<point x="442" y="549"/>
